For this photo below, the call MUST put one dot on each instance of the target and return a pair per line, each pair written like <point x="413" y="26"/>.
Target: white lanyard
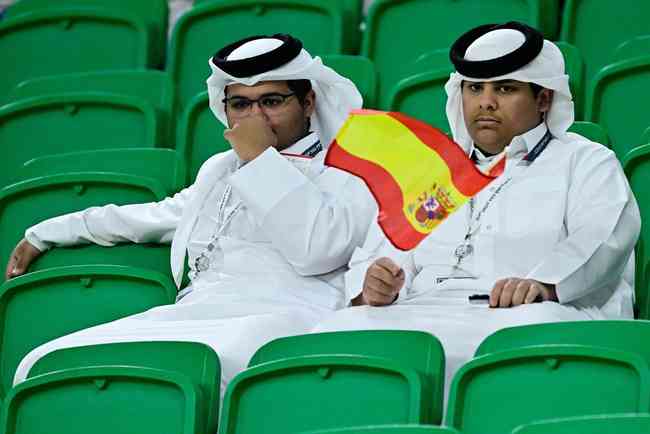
<point x="202" y="262"/>
<point x="465" y="248"/>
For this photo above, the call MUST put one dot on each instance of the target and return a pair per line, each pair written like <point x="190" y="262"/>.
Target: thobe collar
<point x="308" y="146"/>
<point x="524" y="143"/>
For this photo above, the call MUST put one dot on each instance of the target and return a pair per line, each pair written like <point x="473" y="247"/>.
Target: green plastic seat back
<point x="591" y="131"/>
<point x="306" y="393"/>
<point x="209" y="26"/>
<point x="103" y="400"/>
<point x="22" y="204"/>
<point x="608" y="102"/>
<point x="154" y="13"/>
<point x="353" y="15"/>
<point x="40" y="306"/>
<point x="620" y="335"/>
<point x="635" y="47"/>
<point x="418" y="350"/>
<point x="425" y="26"/>
<point x="390" y="429"/>
<point x="600" y="424"/>
<point x="70" y="40"/>
<point x="162" y="166"/>
<point x="154" y="87"/>
<point x="574" y="68"/>
<point x="637" y="168"/>
<point x="645" y="137"/>
<point x="200" y="135"/>
<point x="53" y="124"/>
<point x="583" y="23"/>
<point x="422" y="94"/>
<point x="500" y="391"/>
<point x="550" y="16"/>
<point x="360" y="70"/>
<point x="197" y="361"/>
<point x="352" y="11"/>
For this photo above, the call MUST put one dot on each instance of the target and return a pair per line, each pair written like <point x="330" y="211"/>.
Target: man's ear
<point x="544" y="100"/>
<point x="309" y="103"/>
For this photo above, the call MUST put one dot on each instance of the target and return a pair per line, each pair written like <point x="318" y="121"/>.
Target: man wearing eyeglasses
<point x="267" y="228"/>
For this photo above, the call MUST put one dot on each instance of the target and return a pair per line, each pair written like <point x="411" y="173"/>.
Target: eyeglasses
<point x="270" y="102"/>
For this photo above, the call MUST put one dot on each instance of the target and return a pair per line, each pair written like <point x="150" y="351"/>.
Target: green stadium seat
<point x="598" y="27"/>
<point x="500" y="391"/>
<point x="155" y="87"/>
<point x="637" y="167"/>
<point x="590" y="130"/>
<point x="40" y="306"/>
<point x="71" y="40"/>
<point x="352" y="15"/>
<point x="425" y="26"/>
<point x="635" y="47"/>
<point x="574" y="67"/>
<point x="622" y="335"/>
<point x="200" y="135"/>
<point x="154" y="13"/>
<point x="322" y="376"/>
<point x="195" y="360"/>
<point x="550" y="16"/>
<point x="163" y="167"/>
<point x="360" y="70"/>
<point x="601" y="424"/>
<point x="645" y="137"/>
<point x="317" y="392"/>
<point x="390" y="429"/>
<point x="66" y="122"/>
<point x="21" y="206"/>
<point x="422" y="95"/>
<point x="609" y="101"/>
<point x="103" y="400"/>
<point x="208" y="26"/>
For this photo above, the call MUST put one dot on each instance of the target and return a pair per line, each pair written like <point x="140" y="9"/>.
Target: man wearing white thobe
<point x="267" y="228"/>
<point x="551" y="239"/>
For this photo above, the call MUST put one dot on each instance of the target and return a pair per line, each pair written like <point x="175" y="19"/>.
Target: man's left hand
<point x="514" y="291"/>
<point x="250" y="136"/>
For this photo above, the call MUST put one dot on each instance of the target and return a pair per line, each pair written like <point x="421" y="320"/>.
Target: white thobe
<point x="568" y="219"/>
<point x="279" y="268"/>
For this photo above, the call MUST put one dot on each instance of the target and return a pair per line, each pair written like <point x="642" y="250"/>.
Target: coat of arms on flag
<point x="417" y="174"/>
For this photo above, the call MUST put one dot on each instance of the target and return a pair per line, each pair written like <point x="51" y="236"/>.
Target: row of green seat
<point x="49" y="116"/>
<point x="39" y="37"/>
<point x="519" y="376"/>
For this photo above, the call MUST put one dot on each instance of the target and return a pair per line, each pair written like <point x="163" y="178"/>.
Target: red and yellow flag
<point x="417" y="174"/>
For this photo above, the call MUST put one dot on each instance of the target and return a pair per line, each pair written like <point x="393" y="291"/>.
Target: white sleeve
<point x="376" y="246"/>
<point x="603" y="225"/>
<point x="112" y="224"/>
<point x="316" y="224"/>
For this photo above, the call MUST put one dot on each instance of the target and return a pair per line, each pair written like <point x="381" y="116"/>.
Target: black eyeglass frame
<point x="253" y="101"/>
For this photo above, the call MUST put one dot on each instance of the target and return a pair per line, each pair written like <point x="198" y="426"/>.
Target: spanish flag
<point x="417" y="174"/>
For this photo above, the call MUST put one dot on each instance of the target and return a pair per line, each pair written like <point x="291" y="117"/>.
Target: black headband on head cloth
<point x="265" y="62"/>
<point x="532" y="46"/>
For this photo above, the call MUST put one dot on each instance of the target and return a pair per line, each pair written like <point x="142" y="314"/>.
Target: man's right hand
<point x="382" y="284"/>
<point x="21" y="258"/>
